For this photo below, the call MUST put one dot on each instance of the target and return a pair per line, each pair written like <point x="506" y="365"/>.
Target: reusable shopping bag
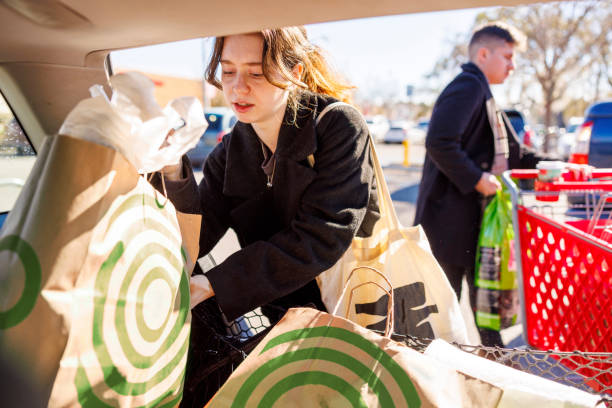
<point x="425" y="303"/>
<point x="497" y="298"/>
<point x="312" y="358"/>
<point x="94" y="281"/>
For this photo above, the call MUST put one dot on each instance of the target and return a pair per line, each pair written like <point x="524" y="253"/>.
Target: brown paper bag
<point x="94" y="274"/>
<point x="312" y="358"/>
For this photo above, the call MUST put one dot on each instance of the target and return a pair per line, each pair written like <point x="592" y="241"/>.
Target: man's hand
<point x="487" y="185"/>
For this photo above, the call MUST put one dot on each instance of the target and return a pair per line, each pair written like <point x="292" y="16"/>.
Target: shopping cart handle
<point x="599" y="173"/>
<point x="567" y="175"/>
<point x="593" y="185"/>
<point x="524" y="173"/>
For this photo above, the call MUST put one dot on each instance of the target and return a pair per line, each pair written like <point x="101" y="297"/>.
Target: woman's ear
<point x="297" y="71"/>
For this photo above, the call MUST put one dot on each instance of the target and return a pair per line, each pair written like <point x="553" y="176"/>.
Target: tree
<point x="566" y="42"/>
<point x="603" y="47"/>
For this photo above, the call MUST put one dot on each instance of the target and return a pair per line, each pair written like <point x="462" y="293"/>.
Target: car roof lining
<point x="74" y="32"/>
<point x="52" y="51"/>
<point x="47" y="13"/>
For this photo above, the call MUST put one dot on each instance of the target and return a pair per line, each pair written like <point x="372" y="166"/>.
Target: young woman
<point x="294" y="216"/>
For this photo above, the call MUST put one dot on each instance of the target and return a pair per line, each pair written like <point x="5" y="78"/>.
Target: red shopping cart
<point x="563" y="233"/>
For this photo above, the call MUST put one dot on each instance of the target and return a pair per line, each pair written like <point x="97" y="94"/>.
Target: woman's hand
<point x="173" y="172"/>
<point x="200" y="289"/>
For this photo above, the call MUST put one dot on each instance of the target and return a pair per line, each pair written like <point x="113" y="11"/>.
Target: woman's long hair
<point x="283" y="49"/>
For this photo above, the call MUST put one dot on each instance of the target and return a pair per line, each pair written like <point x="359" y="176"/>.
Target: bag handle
<point x="384" y="198"/>
<point x="149" y="179"/>
<point x="390" y="303"/>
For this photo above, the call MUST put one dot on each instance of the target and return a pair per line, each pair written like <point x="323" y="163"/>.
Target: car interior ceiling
<point x="53" y="50"/>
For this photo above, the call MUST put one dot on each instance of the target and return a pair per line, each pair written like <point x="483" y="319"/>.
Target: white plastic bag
<point x="132" y="122"/>
<point x="521" y="389"/>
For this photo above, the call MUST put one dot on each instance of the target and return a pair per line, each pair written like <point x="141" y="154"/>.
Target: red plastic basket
<point x="566" y="284"/>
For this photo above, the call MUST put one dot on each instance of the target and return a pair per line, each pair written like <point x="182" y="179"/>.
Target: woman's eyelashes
<point x="232" y="71"/>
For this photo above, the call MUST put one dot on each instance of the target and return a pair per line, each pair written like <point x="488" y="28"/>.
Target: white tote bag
<point x="425" y="303"/>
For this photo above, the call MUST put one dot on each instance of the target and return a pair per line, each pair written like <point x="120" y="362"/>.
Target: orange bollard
<point x="406" y="144"/>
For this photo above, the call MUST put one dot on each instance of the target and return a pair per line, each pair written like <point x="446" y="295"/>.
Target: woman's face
<point x="246" y="89"/>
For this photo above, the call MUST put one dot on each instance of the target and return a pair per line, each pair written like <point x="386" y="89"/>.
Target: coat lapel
<point x="244" y="177"/>
<point x="298" y="141"/>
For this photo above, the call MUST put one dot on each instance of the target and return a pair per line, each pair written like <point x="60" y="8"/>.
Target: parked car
<point x="220" y="122"/>
<point x="521" y="128"/>
<point x="594" y="138"/>
<point x="378" y="126"/>
<point x="593" y="144"/>
<point x="567" y="139"/>
<point x="397" y="133"/>
<point x="418" y="132"/>
<point x="423" y="125"/>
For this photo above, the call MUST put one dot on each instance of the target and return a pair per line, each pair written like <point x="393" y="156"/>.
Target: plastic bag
<point x="132" y="122"/>
<point x="520" y="389"/>
<point x="496" y="284"/>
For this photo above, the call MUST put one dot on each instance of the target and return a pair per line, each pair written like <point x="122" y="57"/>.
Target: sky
<point x="380" y="55"/>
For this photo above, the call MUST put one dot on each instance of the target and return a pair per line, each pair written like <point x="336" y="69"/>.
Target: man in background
<point x="467" y="146"/>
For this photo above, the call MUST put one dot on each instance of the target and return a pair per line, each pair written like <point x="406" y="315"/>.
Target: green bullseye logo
<point x="140" y="325"/>
<point x="339" y="354"/>
<point x="33" y="278"/>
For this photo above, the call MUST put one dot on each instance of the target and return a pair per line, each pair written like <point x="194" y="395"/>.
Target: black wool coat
<point x="460" y="147"/>
<point x="299" y="227"/>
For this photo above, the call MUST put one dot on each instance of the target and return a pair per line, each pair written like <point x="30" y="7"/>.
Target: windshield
<point x="517" y="123"/>
<point x="572" y="128"/>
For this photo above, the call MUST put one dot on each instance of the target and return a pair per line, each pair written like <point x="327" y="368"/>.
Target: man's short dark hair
<point x="492" y="32"/>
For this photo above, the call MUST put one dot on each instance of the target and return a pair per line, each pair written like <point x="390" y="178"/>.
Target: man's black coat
<point x="460" y="147"/>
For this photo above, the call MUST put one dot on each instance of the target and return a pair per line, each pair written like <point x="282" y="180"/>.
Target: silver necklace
<point x="269" y="176"/>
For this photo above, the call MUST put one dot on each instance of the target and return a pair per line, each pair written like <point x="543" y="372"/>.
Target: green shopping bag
<point x="496" y="284"/>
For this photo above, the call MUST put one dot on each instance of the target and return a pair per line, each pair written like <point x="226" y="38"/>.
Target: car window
<point x="517" y="123"/>
<point x="16" y="159"/>
<point x="423" y="124"/>
<point x="571" y="128"/>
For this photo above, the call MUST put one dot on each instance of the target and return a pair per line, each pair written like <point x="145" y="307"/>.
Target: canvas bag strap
<point x="384" y="198"/>
<point x="390" y="325"/>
